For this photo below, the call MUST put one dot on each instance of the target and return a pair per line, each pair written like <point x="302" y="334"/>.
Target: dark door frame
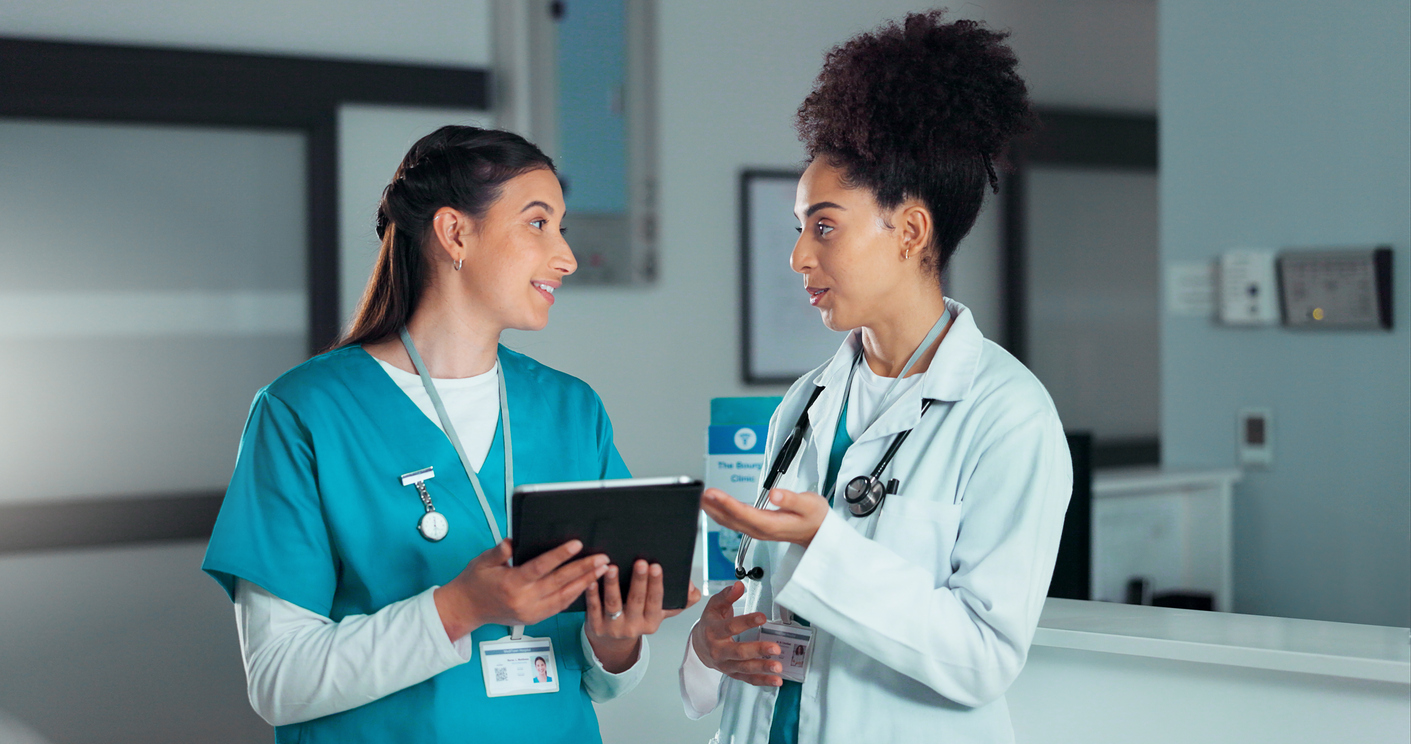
<point x="144" y="85"/>
<point x="1079" y="139"/>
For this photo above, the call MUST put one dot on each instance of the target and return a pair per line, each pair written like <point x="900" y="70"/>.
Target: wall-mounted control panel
<point x="1248" y="290"/>
<point x="1336" y="288"/>
<point x="1330" y="288"/>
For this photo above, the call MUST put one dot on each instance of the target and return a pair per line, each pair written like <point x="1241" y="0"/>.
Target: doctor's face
<point x="847" y="251"/>
<point x="519" y="256"/>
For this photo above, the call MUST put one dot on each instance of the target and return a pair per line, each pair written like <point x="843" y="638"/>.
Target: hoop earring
<point x="908" y="255"/>
<point x="458" y="263"/>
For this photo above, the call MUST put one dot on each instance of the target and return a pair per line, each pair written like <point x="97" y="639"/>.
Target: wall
<point x="122" y="645"/>
<point x="446" y="32"/>
<point x="1284" y="124"/>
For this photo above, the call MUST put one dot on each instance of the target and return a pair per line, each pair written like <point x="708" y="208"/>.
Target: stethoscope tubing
<point x="794" y="442"/>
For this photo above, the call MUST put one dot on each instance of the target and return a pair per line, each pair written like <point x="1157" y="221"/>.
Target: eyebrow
<point x="534" y="204"/>
<point x="823" y="205"/>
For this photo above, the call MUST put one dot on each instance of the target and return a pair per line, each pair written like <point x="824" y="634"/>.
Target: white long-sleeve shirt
<point x="923" y="611"/>
<point x="300" y="665"/>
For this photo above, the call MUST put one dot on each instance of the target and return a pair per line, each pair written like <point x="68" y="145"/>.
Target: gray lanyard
<point x="450" y="430"/>
<point x="887" y="397"/>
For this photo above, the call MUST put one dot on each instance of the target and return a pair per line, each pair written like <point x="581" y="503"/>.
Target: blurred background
<point x="186" y="202"/>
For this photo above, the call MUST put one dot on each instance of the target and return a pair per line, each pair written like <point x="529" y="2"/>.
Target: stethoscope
<point x="865" y="493"/>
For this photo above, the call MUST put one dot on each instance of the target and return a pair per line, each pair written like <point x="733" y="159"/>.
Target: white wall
<point x="1287" y="125"/>
<point x="450" y="32"/>
<point x="122" y="645"/>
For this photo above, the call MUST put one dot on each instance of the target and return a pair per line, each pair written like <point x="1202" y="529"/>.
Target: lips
<point x="546" y="289"/>
<point x="815" y="294"/>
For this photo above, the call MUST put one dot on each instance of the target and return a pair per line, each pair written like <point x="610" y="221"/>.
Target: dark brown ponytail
<point x="460" y="167"/>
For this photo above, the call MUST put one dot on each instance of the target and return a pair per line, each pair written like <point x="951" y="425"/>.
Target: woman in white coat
<point x="922" y="608"/>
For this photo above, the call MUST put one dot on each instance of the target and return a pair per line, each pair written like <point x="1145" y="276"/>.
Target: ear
<point x="452" y="234"/>
<point x="916" y="225"/>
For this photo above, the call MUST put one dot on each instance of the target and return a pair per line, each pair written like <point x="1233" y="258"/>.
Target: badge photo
<point x="519" y="666"/>
<point x="794" y="642"/>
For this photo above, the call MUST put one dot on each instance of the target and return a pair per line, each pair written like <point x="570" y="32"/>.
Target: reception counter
<point x="1102" y="672"/>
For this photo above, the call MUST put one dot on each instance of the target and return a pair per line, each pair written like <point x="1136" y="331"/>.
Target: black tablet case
<point x="657" y="523"/>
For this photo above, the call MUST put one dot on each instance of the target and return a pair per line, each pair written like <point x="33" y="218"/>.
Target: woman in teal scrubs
<point x="360" y="536"/>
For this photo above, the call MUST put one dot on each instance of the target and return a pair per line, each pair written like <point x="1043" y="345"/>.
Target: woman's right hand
<point x="490" y="591"/>
<point x="713" y="638"/>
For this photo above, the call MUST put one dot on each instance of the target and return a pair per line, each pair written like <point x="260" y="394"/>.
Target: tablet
<point x="655" y="519"/>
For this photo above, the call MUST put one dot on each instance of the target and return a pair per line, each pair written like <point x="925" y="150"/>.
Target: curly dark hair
<point x="920" y="109"/>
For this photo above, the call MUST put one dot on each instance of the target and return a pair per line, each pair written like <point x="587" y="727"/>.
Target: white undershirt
<point x="700" y="685"/>
<point x="300" y="665"/>
<point x="473" y="403"/>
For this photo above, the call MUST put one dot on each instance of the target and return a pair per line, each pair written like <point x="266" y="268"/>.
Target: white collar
<point x="948" y="379"/>
<point x="952" y="370"/>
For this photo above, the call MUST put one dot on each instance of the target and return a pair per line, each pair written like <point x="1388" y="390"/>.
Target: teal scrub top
<point x="316" y="514"/>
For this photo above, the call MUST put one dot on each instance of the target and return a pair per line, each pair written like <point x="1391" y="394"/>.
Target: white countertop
<point x="1129" y="481"/>
<point x="1368" y="652"/>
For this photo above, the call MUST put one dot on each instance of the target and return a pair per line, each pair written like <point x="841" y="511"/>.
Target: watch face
<point x="433" y="526"/>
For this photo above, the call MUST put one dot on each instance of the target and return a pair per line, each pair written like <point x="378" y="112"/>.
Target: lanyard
<point x="931" y="337"/>
<point x="450" y="430"/>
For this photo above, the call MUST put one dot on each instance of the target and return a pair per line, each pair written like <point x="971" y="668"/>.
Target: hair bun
<point x="920" y="89"/>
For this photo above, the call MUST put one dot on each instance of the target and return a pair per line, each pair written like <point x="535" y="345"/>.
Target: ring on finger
<point x="615" y="615"/>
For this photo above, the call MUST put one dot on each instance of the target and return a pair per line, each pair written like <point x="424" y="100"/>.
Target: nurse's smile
<point x="546" y="289"/>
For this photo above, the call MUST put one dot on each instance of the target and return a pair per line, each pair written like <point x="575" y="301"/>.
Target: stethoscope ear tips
<point x="755" y="573"/>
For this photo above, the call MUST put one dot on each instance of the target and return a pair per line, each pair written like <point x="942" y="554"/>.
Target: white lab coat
<point x="924" y="610"/>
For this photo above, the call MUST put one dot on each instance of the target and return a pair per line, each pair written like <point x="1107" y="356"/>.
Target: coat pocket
<point x="923" y="532"/>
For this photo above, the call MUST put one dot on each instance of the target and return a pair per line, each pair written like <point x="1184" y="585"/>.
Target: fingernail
<point x="775" y="667"/>
<point x="640" y="567"/>
<point x="601" y="570"/>
<point x="601" y="559"/>
<point x="656" y="569"/>
<point x="612" y="572"/>
<point x="574" y="546"/>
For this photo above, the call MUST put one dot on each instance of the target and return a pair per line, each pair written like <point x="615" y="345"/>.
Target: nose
<point x="802" y="259"/>
<point x="563" y="260"/>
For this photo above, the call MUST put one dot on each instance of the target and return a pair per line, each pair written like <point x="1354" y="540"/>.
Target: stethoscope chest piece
<point x="866" y="493"/>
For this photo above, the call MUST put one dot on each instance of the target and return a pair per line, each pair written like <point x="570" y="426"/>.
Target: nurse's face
<point x="849" y="250"/>
<point x="516" y="256"/>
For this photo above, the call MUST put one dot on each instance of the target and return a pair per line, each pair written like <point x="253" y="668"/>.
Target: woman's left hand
<point x="796" y="518"/>
<point x="615" y="629"/>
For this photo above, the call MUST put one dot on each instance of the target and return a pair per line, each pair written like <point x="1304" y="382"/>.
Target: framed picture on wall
<point x="782" y="336"/>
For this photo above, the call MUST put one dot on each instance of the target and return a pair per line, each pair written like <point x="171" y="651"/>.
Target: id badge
<point x="519" y="666"/>
<point x="793" y="641"/>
